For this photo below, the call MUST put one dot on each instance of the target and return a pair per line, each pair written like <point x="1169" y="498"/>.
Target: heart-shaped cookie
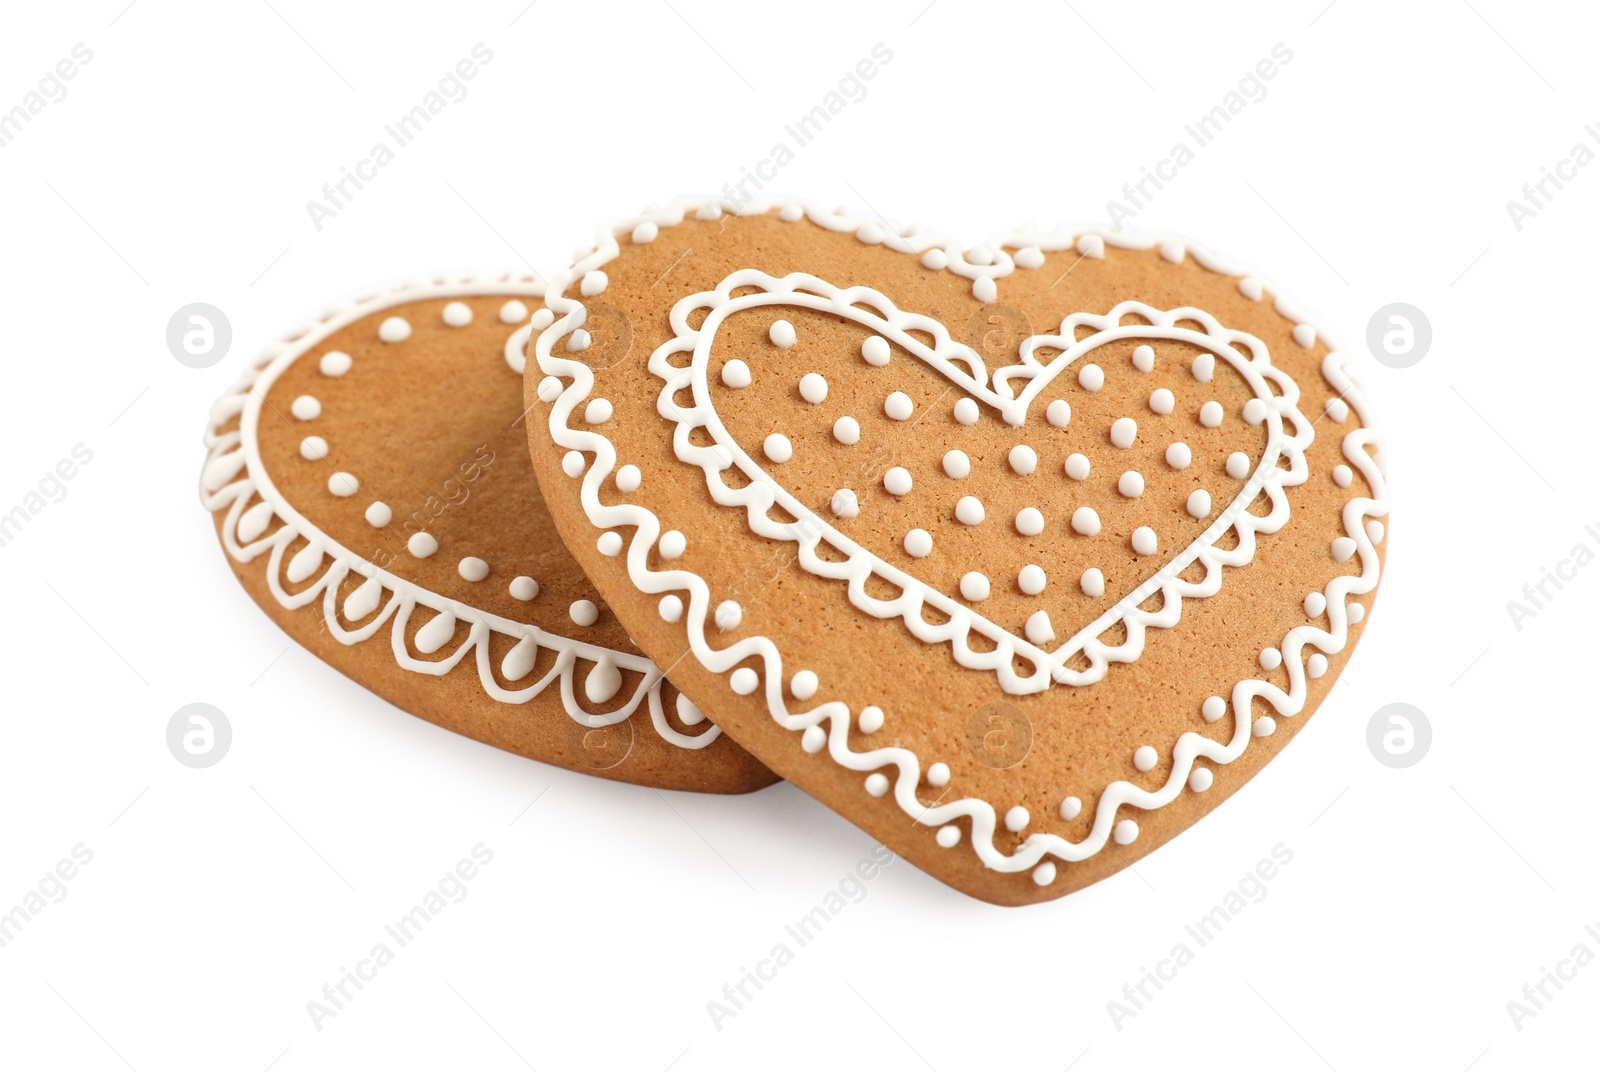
<point x="369" y="483"/>
<point x="1021" y="557"/>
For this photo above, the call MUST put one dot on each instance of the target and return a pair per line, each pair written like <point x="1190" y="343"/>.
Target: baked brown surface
<point x="430" y="426"/>
<point x="1082" y="738"/>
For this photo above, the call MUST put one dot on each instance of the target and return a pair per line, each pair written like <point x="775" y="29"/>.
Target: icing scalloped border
<point x="965" y="368"/>
<point x="234" y="473"/>
<point x="983" y="265"/>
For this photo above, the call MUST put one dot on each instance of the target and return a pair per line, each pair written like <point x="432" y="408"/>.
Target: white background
<point x="1419" y="901"/>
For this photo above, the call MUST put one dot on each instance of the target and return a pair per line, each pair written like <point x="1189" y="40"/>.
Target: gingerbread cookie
<point x="369" y="481"/>
<point x="1022" y="557"/>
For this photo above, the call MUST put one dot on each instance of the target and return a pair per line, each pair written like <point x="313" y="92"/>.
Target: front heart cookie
<point x="1021" y="557"/>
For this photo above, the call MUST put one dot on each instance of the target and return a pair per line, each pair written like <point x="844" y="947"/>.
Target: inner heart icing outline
<point x="1011" y="391"/>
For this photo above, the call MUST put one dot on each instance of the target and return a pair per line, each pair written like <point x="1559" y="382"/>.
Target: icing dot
<point x="1058" y="413"/>
<point x="598" y="411"/>
<point x="918" y="543"/>
<point x="1238" y="465"/>
<point x="847" y="431"/>
<point x="1144" y="758"/>
<point x="343" y="484"/>
<point x="1125" y="832"/>
<point x="813" y="388"/>
<point x="1144" y="540"/>
<point x="735" y="373"/>
<point x="969" y="511"/>
<point x="513" y="312"/>
<point x="1023" y="459"/>
<point x="790" y="213"/>
<point x="1336" y="409"/>
<point x="898" y="406"/>
<point x="1200" y="779"/>
<point x="1029" y="257"/>
<point x="974" y="587"/>
<point x="1077" y="467"/>
<point x="897" y="481"/>
<point x="578" y="341"/>
<point x="672" y="544"/>
<point x="1031" y="580"/>
<point x="803" y="685"/>
<point x="1123" y="431"/>
<point x="1199" y="504"/>
<point x="1255" y="411"/>
<point x="1375" y="531"/>
<point x="1017" y="818"/>
<point x="743" y="681"/>
<point x="306" y="408"/>
<point x="1070" y="807"/>
<point x="981" y="255"/>
<point x="572" y="463"/>
<point x="814" y="739"/>
<point x="1304" y="334"/>
<point x="542" y="319"/>
<point x="1091" y="378"/>
<point x="966" y="412"/>
<point x="583" y="612"/>
<point x="877" y="784"/>
<point x="1211" y="414"/>
<point x="335" y="363"/>
<point x="1144" y="358"/>
<point x="956" y="464"/>
<point x="523" y="588"/>
<point x="1214" y="708"/>
<point x="645" y="233"/>
<point x="938" y="775"/>
<point x="1178" y="455"/>
<point x="871" y="719"/>
<point x="549" y="389"/>
<point x="472" y="569"/>
<point x="728" y="615"/>
<point x="875" y="350"/>
<point x="457" y="314"/>
<point x="1263" y="727"/>
<point x="594" y="283"/>
<point x="1038" y="628"/>
<point x="936" y="259"/>
<point x="1342" y="548"/>
<point x="1131" y="484"/>
<point x="781" y="333"/>
<point x="1342" y="475"/>
<point x="1161" y="401"/>
<point x="1203" y="367"/>
<point x="948" y="837"/>
<point x="378" y="515"/>
<point x="670" y="608"/>
<point x="628" y="478"/>
<point x="313" y="448"/>
<point x="984" y="289"/>
<point x="1250" y="287"/>
<point x="1093" y="583"/>
<point x="1315" y="604"/>
<point x="609" y="544"/>
<point x="422" y="544"/>
<point x="1317" y="665"/>
<point x="844" y="504"/>
<point x="1030" y="522"/>
<point x="395" y="329"/>
<point x="777" y="447"/>
<point x="1355" y="612"/>
<point x="1085" y="521"/>
<point x="1270" y="658"/>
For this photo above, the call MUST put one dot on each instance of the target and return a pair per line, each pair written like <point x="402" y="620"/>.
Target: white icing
<point x="777" y="447"/>
<point x="378" y="515"/>
<point x="523" y="589"/>
<point x="1031" y="579"/>
<point x="335" y="363"/>
<point x="1123" y="431"/>
<point x="1179" y="455"/>
<point x="1269" y="477"/>
<point x="898" y="406"/>
<point x="966" y="412"/>
<point x="514" y="311"/>
<point x="673" y="544"/>
<point x="1030" y="521"/>
<point x="728" y="615"/>
<point x="1211" y="414"/>
<point x="969" y="511"/>
<point x="395" y="329"/>
<point x="1161" y="401"/>
<point x="847" y="431"/>
<point x="422" y="545"/>
<point x="1203" y="367"/>
<point x="457" y="314"/>
<point x="1076" y="467"/>
<point x="598" y="411"/>
<point x="918" y="543"/>
<point x="1144" y="358"/>
<point x="1022" y="459"/>
<point x="1131" y="484"/>
<point x="1058" y="413"/>
<point x="1144" y="758"/>
<point x="1198" y="504"/>
<point x="306" y="408"/>
<point x="583" y="612"/>
<point x="897" y="481"/>
<point x="735" y="373"/>
<point x="1091" y="377"/>
<point x="844" y="504"/>
<point x="813" y="388"/>
<point x="974" y="587"/>
<point x="313" y="448"/>
<point x="1092" y="583"/>
<point x="594" y="283"/>
<point x="343" y="485"/>
<point x="1086" y="521"/>
<point x="1144" y="540"/>
<point x="628" y="479"/>
<point x="875" y="351"/>
<point x="956" y="464"/>
<point x="1238" y="465"/>
<point x="472" y="569"/>
<point x="782" y="334"/>
<point x="609" y="544"/>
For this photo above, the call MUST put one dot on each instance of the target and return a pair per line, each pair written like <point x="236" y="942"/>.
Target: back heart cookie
<point x="368" y="482"/>
<point x="1022" y="558"/>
